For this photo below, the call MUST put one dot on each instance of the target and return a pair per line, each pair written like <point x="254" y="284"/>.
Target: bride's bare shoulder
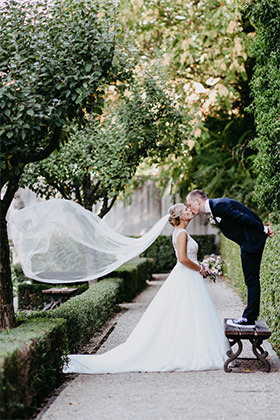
<point x="178" y="233"/>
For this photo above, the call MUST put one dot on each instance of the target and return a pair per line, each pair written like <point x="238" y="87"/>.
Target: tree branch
<point x="78" y="194"/>
<point x="42" y="154"/>
<point x="105" y="207"/>
<point x="9" y="195"/>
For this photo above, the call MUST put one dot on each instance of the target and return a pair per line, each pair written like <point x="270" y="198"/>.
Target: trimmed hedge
<point x="264" y="49"/>
<point x="232" y="268"/>
<point x="87" y="312"/>
<point x="30" y="365"/>
<point x="163" y="256"/>
<point x="134" y="274"/>
<point x="269" y="277"/>
<point x="30" y="294"/>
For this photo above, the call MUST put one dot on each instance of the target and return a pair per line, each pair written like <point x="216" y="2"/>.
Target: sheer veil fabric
<point x="60" y="241"/>
<point x="179" y="331"/>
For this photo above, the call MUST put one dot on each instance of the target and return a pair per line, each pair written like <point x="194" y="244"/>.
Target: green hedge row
<point x="30" y="365"/>
<point x="74" y="323"/>
<point x="270" y="280"/>
<point x="163" y="256"/>
<point x="30" y="294"/>
<point x="134" y="274"/>
<point x="87" y="312"/>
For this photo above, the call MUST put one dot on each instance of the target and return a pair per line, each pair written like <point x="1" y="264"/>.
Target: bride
<point x="179" y="331"/>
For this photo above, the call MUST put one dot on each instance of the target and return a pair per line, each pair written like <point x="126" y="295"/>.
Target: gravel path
<point x="246" y="393"/>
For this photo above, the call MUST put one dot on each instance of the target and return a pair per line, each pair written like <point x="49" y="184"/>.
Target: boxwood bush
<point x="134" y="274"/>
<point x="30" y="294"/>
<point x="269" y="277"/>
<point x="30" y="365"/>
<point x="87" y="312"/>
<point x="163" y="255"/>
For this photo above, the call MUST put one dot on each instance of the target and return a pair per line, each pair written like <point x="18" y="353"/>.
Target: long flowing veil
<point x="58" y="241"/>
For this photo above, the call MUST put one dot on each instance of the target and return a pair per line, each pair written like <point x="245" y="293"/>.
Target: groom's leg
<point x="251" y="269"/>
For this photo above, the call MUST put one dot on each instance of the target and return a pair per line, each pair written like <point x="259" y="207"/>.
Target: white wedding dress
<point x="179" y="331"/>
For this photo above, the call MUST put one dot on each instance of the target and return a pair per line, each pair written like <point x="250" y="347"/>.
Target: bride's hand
<point x="203" y="272"/>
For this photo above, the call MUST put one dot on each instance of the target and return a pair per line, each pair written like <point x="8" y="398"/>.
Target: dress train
<point x="179" y="331"/>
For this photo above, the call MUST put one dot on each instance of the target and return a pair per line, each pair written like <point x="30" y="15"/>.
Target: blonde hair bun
<point x="175" y="212"/>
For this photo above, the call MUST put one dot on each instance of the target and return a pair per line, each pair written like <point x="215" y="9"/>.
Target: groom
<point x="244" y="227"/>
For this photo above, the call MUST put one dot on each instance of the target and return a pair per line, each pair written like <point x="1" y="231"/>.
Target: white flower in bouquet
<point x="213" y="265"/>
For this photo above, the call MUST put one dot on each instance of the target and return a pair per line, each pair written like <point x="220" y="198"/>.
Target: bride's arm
<point x="182" y="240"/>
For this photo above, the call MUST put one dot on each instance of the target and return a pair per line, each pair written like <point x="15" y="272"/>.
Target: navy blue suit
<point x="244" y="227"/>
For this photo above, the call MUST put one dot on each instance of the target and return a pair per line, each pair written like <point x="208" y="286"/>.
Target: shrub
<point x="134" y="274"/>
<point x="269" y="277"/>
<point x="30" y="294"/>
<point x="87" y="312"/>
<point x="265" y="86"/>
<point x="270" y="286"/>
<point x="30" y="365"/>
<point x="232" y="268"/>
<point x="84" y="313"/>
<point x="163" y="255"/>
<point x="19" y="273"/>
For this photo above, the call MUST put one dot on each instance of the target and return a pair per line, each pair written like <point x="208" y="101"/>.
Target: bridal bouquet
<point x="213" y="265"/>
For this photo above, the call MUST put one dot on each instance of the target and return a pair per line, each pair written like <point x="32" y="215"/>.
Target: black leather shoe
<point x="241" y="323"/>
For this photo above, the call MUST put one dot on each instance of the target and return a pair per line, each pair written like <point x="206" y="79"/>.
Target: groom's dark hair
<point x="197" y="194"/>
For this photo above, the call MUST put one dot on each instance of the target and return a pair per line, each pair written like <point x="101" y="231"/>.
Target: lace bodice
<point x="192" y="246"/>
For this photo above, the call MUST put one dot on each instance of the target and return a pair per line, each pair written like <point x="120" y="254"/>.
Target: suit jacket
<point x="239" y="223"/>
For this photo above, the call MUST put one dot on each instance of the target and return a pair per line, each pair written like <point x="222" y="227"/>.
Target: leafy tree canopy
<point x="98" y="161"/>
<point x="202" y="46"/>
<point x="55" y="58"/>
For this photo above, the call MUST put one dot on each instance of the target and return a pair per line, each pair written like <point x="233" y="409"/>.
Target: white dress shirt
<point x="208" y="210"/>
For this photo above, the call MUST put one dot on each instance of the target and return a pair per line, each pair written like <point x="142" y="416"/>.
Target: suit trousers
<point x="251" y="264"/>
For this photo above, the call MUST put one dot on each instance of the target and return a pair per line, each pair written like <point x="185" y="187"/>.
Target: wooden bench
<point x="255" y="335"/>
<point x="56" y="295"/>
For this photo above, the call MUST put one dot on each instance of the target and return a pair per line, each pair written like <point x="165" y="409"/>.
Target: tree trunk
<point x="7" y="313"/>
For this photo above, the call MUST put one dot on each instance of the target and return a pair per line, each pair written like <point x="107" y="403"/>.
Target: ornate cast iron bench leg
<point x="260" y="353"/>
<point x="230" y="353"/>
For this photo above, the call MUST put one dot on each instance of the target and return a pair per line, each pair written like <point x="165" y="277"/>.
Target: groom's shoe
<point x="241" y="323"/>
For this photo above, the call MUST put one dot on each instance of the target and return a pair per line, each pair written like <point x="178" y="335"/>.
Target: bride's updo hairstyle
<point x="174" y="214"/>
